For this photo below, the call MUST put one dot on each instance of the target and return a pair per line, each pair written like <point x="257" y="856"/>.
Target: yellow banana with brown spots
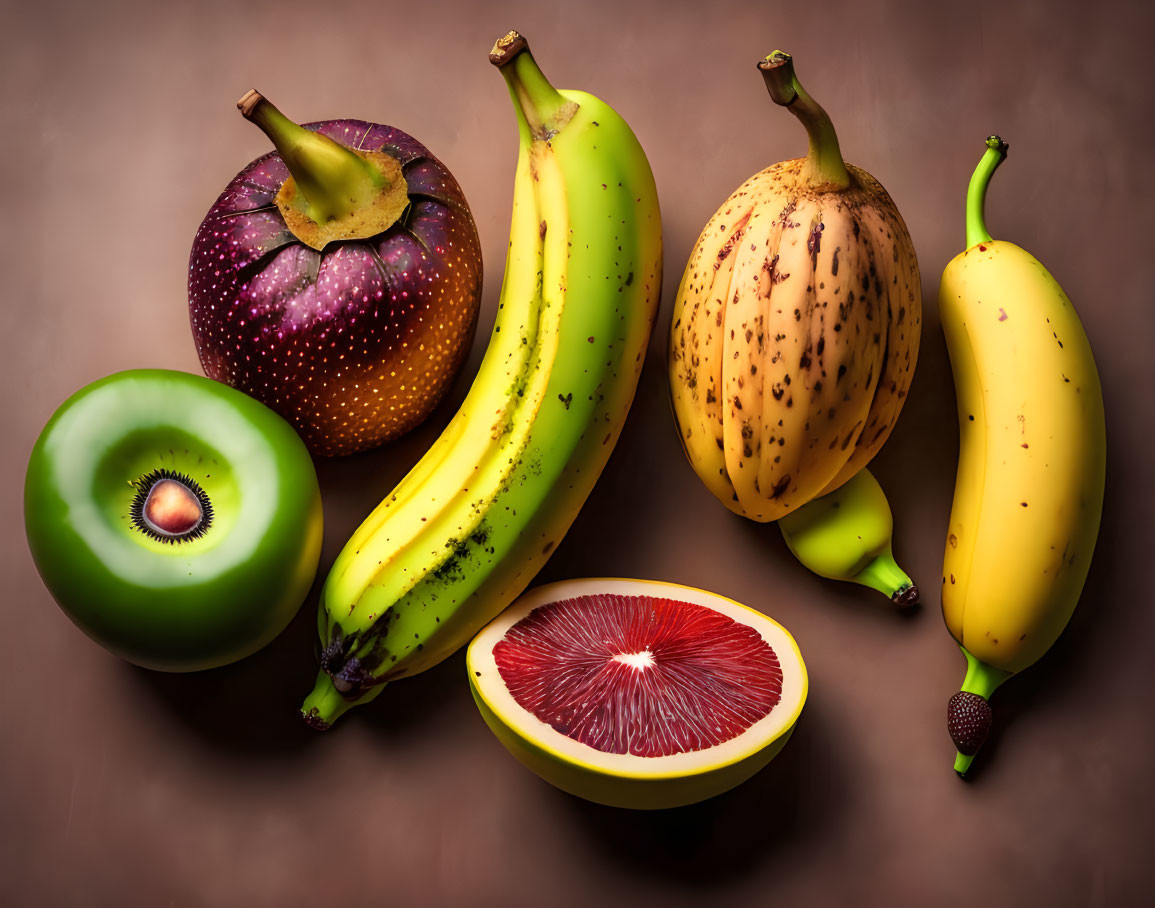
<point x="1032" y="462"/>
<point x="796" y="325"/>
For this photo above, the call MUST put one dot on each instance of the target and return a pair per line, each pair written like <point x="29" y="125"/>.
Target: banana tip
<point x="906" y="597"/>
<point x="507" y="47"/>
<point x="314" y="721"/>
<point x="777" y="71"/>
<point x="249" y="100"/>
<point x="774" y="59"/>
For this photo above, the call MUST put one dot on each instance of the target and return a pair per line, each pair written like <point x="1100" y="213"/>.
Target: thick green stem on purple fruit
<point x="825" y="168"/>
<point x="334" y="192"/>
<point x="333" y="179"/>
<point x="995" y="154"/>
<point x="542" y="110"/>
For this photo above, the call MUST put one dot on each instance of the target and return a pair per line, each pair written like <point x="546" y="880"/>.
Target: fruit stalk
<point x="976" y="223"/>
<point x="334" y="179"/>
<point x="540" y="107"/>
<point x="882" y="573"/>
<point x="824" y="165"/>
<point x="969" y="716"/>
<point x="326" y="704"/>
<point x="334" y="192"/>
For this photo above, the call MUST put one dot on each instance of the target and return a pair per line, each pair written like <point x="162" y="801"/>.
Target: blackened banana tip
<point x="908" y="597"/>
<point x="507" y="47"/>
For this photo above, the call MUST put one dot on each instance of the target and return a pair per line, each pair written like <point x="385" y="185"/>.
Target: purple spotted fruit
<point x="337" y="279"/>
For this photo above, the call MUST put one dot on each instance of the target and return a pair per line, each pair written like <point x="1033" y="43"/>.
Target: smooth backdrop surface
<point x="123" y="787"/>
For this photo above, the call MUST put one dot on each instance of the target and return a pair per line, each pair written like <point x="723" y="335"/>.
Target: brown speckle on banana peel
<point x="904" y="331"/>
<point x="695" y="343"/>
<point x="794" y="339"/>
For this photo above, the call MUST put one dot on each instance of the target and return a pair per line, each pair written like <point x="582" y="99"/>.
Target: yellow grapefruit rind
<point x="640" y="783"/>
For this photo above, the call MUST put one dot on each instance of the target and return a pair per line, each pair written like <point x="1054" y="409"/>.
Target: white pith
<point x="484" y="674"/>
<point x="641" y="661"/>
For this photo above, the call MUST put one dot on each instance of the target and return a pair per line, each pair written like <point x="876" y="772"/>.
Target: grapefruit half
<point x="637" y="693"/>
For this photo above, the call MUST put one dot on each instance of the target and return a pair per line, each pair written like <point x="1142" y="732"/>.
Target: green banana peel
<point x="846" y="535"/>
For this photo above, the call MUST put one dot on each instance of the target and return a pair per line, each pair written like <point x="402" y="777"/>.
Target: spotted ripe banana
<point x="796" y="326"/>
<point x="465" y="532"/>
<point x="1029" y="490"/>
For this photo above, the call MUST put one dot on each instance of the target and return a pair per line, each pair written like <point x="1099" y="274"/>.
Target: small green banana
<point x="846" y="535"/>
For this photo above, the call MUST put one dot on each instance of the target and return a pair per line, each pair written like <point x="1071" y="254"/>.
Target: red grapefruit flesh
<point x="635" y="693"/>
<point x="638" y="674"/>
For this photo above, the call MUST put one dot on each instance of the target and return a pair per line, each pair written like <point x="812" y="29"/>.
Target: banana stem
<point x="325" y="705"/>
<point x="995" y="154"/>
<point x="825" y="168"/>
<point x="883" y="574"/>
<point x="545" y="110"/>
<point x="981" y="680"/>
<point x="334" y="180"/>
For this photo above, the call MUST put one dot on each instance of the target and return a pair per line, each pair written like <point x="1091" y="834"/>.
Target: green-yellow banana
<point x="466" y="530"/>
<point x="1029" y="490"/>
<point x="846" y="535"/>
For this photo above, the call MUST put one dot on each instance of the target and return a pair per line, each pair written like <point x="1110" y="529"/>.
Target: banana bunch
<point x="466" y="530"/>
<point x="1029" y="490"/>
<point x="846" y="535"/>
<point x="796" y="326"/>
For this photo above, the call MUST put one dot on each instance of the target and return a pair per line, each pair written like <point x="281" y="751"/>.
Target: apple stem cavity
<point x="824" y="169"/>
<point x="334" y="192"/>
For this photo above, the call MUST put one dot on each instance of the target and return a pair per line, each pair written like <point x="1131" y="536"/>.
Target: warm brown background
<point x="123" y="787"/>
